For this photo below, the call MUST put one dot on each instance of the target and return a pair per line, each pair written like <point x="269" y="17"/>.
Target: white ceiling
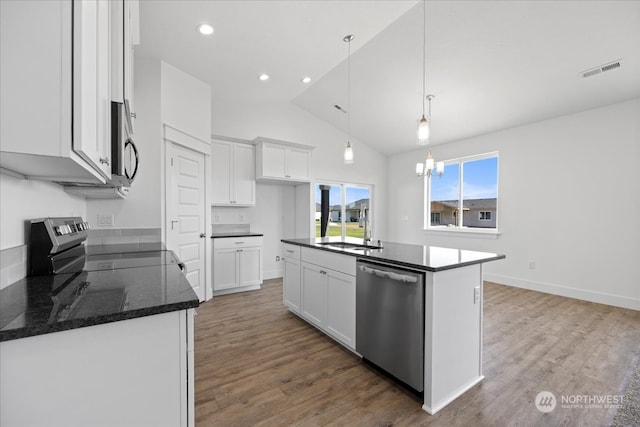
<point x="491" y="64"/>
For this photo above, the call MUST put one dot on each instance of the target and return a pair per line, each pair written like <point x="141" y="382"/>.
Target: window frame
<point x="461" y="229"/>
<point x="343" y="204"/>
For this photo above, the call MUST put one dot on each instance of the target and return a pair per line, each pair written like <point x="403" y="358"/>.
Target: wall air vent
<point x="602" y="68"/>
<point x="339" y="108"/>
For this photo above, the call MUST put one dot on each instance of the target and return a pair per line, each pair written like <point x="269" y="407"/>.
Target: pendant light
<point x="348" y="150"/>
<point x="424" y="124"/>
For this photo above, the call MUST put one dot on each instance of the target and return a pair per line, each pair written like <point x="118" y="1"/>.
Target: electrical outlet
<point x="532" y="265"/>
<point x="105" y="220"/>
<point x="277" y="258"/>
<point x="476" y="294"/>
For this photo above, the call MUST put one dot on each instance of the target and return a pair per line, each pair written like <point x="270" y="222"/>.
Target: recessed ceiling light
<point x="205" y="29"/>
<point x="306" y="79"/>
<point x="263" y="77"/>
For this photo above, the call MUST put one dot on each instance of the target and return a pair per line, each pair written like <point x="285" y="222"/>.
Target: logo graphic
<point x="545" y="401"/>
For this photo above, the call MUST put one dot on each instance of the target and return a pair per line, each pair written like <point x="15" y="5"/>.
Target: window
<point x="465" y="196"/>
<point x="345" y="209"/>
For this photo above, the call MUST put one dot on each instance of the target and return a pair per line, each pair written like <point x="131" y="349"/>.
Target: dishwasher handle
<point x="389" y="274"/>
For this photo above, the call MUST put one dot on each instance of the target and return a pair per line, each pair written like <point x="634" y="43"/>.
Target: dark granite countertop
<point x="235" y="234"/>
<point x="39" y="305"/>
<point x="428" y="258"/>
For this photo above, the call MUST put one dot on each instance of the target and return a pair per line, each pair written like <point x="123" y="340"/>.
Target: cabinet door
<point x="341" y="307"/>
<point x="314" y="294"/>
<point x="225" y="269"/>
<point x="131" y="38"/>
<point x="273" y="161"/>
<point x="221" y="158"/>
<point x="249" y="266"/>
<point x="244" y="174"/>
<point x="291" y="290"/>
<point x="298" y="164"/>
<point x="92" y="93"/>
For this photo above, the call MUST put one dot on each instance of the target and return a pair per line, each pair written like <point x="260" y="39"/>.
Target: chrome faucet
<point x="364" y="217"/>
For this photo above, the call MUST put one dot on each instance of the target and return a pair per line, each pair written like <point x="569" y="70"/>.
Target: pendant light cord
<point x="424" y="53"/>
<point x="349" y="90"/>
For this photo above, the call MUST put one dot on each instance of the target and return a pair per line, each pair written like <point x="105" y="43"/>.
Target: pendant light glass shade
<point x="348" y="154"/>
<point x="424" y="131"/>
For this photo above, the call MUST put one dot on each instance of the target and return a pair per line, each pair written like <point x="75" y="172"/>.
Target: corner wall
<point x="569" y="196"/>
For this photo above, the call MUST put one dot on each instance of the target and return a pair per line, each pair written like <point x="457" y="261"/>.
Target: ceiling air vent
<point x="602" y="68"/>
<point x="339" y="108"/>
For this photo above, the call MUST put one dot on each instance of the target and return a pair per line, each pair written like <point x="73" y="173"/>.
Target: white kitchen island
<point x="452" y="303"/>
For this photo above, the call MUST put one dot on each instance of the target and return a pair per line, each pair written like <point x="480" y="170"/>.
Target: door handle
<point x="203" y="235"/>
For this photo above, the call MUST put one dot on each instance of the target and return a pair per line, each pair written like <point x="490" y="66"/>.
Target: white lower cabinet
<point x="326" y="285"/>
<point x="341" y="307"/>
<point x="291" y="284"/>
<point x="314" y="294"/>
<point x="237" y="264"/>
<point x="136" y="372"/>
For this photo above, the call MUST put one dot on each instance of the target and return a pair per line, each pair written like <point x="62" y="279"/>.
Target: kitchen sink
<point x="348" y="245"/>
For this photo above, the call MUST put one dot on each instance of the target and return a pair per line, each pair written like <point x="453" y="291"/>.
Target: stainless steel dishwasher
<point x="390" y="320"/>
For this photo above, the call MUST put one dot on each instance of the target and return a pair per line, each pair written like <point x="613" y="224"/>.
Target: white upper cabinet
<point x="234" y="182"/>
<point x="282" y="161"/>
<point x="125" y="35"/>
<point x="55" y="85"/>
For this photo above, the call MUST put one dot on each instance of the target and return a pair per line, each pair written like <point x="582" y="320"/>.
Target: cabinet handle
<point x="134" y="116"/>
<point x="239" y="250"/>
<point x="239" y="243"/>
<point x="323" y="272"/>
<point x="104" y="160"/>
<point x="289" y="251"/>
<point x="203" y="235"/>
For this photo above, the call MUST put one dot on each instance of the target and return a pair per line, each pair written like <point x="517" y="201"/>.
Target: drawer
<point x="333" y="261"/>
<point x="236" y="242"/>
<point x="291" y="251"/>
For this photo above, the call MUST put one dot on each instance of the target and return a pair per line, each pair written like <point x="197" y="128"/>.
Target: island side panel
<point x="453" y="334"/>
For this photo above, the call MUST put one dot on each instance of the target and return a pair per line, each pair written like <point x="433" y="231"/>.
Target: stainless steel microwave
<point x="124" y="154"/>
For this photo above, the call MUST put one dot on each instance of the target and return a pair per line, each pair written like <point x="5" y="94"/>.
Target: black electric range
<point x="71" y="284"/>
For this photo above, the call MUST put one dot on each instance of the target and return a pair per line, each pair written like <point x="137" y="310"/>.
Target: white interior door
<point x="186" y="226"/>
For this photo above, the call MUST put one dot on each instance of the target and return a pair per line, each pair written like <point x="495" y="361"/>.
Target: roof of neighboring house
<point x="470" y="203"/>
<point x="358" y="204"/>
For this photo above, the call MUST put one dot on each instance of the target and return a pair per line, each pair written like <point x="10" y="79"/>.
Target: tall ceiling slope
<point x="491" y="64"/>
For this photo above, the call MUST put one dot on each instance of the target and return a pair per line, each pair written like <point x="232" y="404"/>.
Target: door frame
<point x="171" y="136"/>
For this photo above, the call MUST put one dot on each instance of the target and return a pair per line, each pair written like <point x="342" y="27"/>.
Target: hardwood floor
<point x="259" y="365"/>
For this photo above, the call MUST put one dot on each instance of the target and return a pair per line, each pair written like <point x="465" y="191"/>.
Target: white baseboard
<point x="272" y="274"/>
<point x="549" y="288"/>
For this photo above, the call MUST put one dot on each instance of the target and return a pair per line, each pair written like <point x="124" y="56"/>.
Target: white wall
<point x="22" y="200"/>
<point x="569" y="196"/>
<point x="285" y="121"/>
<point x="141" y="209"/>
<point x="180" y="90"/>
